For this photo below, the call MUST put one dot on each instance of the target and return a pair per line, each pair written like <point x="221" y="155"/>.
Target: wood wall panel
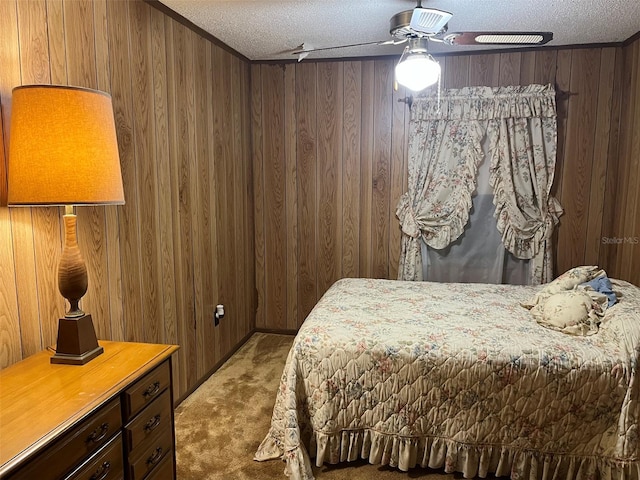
<point x="484" y="70"/>
<point x="219" y="205"/>
<point x="627" y="225"/>
<point x="237" y="199"/>
<point x="274" y="197"/>
<point x="455" y="72"/>
<point x="164" y="236"/>
<point x="113" y="323"/>
<point x="9" y="325"/>
<point x="183" y="242"/>
<point x="23" y="263"/>
<point x="174" y="330"/>
<point x="562" y="82"/>
<point x="247" y="291"/>
<point x="597" y="188"/>
<point x="184" y="151"/>
<point x="213" y="355"/>
<point x="120" y="88"/>
<point x="351" y="122"/>
<point x="632" y="250"/>
<point x="578" y="156"/>
<point x="381" y="168"/>
<point x="528" y="61"/>
<point x="510" y="66"/>
<point x="306" y="129"/>
<point x="545" y="66"/>
<point x="144" y="149"/>
<point x="329" y="180"/>
<point x="607" y="253"/>
<point x="399" y="173"/>
<point x="224" y="169"/>
<point x="9" y="322"/>
<point x="366" y="167"/>
<point x="46" y="225"/>
<point x="200" y="215"/>
<point x="592" y="182"/>
<point x="291" y="195"/>
<point x="57" y="45"/>
<point x="258" y="191"/>
<point x="9" y="75"/>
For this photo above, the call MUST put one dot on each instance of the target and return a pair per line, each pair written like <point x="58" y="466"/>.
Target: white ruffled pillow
<point x="573" y="311"/>
<point x="567" y="281"/>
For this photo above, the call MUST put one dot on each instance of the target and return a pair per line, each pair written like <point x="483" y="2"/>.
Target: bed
<point x="458" y="377"/>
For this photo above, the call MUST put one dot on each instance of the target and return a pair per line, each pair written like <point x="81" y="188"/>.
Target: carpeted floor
<point x="219" y="426"/>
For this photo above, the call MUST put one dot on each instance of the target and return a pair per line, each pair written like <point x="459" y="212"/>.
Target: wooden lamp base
<point x="77" y="343"/>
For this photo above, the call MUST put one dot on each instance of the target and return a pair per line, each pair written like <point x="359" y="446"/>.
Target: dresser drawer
<point x="81" y="441"/>
<point x="153" y="419"/>
<point x="164" y="470"/>
<point x="151" y="456"/>
<point x="145" y="390"/>
<point x="106" y="464"/>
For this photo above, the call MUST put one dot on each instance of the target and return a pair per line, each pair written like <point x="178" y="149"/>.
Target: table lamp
<point x="63" y="151"/>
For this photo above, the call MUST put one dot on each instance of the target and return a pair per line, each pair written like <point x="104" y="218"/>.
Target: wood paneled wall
<point x="184" y="240"/>
<point x="329" y="141"/>
<point x="622" y="211"/>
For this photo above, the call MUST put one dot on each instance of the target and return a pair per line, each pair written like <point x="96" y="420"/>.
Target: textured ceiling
<point x="266" y="29"/>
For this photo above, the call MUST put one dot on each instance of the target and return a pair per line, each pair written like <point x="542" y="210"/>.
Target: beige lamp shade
<point x="63" y="148"/>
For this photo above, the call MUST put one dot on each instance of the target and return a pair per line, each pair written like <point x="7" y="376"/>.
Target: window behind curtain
<point x="478" y="255"/>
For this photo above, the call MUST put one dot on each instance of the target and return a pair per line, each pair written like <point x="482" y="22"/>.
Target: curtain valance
<point x="486" y="103"/>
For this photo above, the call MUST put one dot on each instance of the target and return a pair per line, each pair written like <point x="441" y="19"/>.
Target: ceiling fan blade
<point x="497" y="38"/>
<point x="291" y="50"/>
<point x="308" y="48"/>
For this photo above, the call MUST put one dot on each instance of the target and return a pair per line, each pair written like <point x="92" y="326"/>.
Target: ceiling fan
<point x="432" y="24"/>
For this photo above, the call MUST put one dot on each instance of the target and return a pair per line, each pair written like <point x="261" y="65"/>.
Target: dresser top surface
<point x="39" y="400"/>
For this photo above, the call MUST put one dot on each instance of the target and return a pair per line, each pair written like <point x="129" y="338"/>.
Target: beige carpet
<point x="219" y="426"/>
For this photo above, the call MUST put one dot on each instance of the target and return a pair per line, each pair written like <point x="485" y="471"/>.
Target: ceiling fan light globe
<point x="417" y="71"/>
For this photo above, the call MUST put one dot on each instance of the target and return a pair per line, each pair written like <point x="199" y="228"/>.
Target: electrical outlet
<point x="218" y="313"/>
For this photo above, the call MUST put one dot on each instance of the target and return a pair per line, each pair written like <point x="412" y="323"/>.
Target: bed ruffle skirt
<point x="472" y="461"/>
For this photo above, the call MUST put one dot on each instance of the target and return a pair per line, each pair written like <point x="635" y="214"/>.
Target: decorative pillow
<point x="574" y="276"/>
<point x="567" y="281"/>
<point x="572" y="312"/>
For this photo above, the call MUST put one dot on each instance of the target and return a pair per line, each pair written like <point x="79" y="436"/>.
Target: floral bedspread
<point x="460" y="377"/>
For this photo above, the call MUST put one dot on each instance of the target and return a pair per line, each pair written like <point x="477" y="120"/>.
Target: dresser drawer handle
<point x="155" y="458"/>
<point x="151" y="390"/>
<point x="152" y="423"/>
<point x="98" y="434"/>
<point x="102" y="472"/>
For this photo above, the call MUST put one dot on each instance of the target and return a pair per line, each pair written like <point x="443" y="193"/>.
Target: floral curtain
<point x="445" y="150"/>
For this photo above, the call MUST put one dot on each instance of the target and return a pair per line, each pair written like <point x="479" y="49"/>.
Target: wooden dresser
<point x="111" y="419"/>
